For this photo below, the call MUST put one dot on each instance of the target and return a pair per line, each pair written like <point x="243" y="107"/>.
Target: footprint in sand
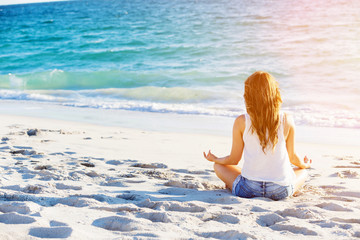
<point x="269" y="219"/>
<point x="258" y="209"/>
<point x="149" y="165"/>
<point x="23" y="147"/>
<point x="34" y="189"/>
<point x="54" y="223"/>
<point x="348" y="174"/>
<point x="70" y="153"/>
<point x="346" y="220"/>
<point x="134" y="181"/>
<point x="15" y="218"/>
<point x="225" y="218"/>
<point x="347" y="194"/>
<point x="324" y="223"/>
<point x="333" y="207"/>
<point x="127" y="175"/>
<point x="20" y="159"/>
<point x="57" y="154"/>
<point x="77" y="201"/>
<point x="155" y="216"/>
<point x="172" y="206"/>
<point x="116" y="223"/>
<point x="92" y="174"/>
<point x="51" y="232"/>
<point x="130" y="196"/>
<point x="183" y="207"/>
<point x="230" y="234"/>
<point x="158" y="174"/>
<point x="176" y="191"/>
<point x="197" y="172"/>
<point x="192" y="184"/>
<point x="293" y="229"/>
<point x="184" y="184"/>
<point x="19" y="207"/>
<point x="349" y="166"/>
<point x="301" y="213"/>
<point x="338" y="199"/>
<point x="113" y="183"/>
<point x="62" y="186"/>
<point x="344" y="158"/>
<point x="123" y="208"/>
<point x="114" y="162"/>
<point x="330" y="189"/>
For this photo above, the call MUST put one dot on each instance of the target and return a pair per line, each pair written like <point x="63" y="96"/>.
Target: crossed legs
<point x="228" y="174"/>
<point x="301" y="175"/>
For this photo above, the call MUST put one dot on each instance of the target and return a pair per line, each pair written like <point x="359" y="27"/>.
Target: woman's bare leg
<point x="227" y="173"/>
<point x="301" y="175"/>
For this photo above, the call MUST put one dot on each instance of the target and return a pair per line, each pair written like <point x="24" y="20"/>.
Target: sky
<point x="8" y="2"/>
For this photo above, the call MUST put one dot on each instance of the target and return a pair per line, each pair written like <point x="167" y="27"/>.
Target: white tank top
<point x="271" y="166"/>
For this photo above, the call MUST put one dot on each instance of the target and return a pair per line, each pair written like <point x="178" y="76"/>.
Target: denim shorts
<point x="246" y="188"/>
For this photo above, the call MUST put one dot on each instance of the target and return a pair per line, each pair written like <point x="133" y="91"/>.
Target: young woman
<point x="265" y="138"/>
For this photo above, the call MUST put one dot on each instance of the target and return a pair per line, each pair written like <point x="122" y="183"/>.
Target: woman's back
<point x="265" y="139"/>
<point x="273" y="165"/>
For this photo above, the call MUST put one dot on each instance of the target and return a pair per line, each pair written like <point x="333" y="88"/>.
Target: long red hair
<point x="263" y="102"/>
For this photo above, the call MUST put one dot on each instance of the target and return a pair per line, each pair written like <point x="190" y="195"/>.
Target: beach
<point x="81" y="180"/>
<point x="106" y="108"/>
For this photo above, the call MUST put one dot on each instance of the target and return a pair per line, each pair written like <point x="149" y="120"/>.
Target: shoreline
<point x="152" y="121"/>
<point x="168" y="122"/>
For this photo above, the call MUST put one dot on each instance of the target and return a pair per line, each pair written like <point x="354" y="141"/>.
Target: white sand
<point x="81" y="181"/>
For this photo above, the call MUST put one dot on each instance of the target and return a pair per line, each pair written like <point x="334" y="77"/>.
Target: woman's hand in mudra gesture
<point x="210" y="157"/>
<point x="307" y="162"/>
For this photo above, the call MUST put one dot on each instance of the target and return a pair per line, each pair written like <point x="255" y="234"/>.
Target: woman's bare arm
<point x="237" y="145"/>
<point x="290" y="145"/>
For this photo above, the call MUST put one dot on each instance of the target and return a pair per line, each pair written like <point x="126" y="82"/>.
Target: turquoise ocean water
<point x="184" y="56"/>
